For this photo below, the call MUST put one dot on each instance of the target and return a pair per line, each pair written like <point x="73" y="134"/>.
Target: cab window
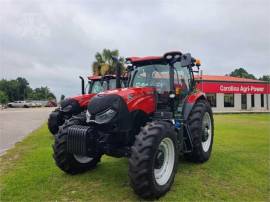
<point x="96" y="87"/>
<point x="182" y="76"/>
<point x="153" y="75"/>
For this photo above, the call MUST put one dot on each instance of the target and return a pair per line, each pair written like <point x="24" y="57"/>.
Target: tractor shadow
<point x="109" y="181"/>
<point x="110" y="178"/>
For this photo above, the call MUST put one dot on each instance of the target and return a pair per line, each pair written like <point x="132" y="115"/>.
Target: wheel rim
<point x="82" y="159"/>
<point x="164" y="161"/>
<point x="207" y="132"/>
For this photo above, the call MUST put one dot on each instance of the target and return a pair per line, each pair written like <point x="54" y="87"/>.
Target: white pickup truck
<point x="24" y="104"/>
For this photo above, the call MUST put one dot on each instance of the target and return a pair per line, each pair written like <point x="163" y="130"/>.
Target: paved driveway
<point x="16" y="123"/>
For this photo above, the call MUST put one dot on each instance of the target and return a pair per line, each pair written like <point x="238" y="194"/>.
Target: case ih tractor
<point x="157" y="118"/>
<point x="75" y="105"/>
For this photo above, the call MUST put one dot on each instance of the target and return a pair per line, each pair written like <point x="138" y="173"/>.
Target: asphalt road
<point x="16" y="123"/>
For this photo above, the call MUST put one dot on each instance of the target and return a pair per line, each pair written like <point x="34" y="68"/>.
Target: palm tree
<point x="104" y="64"/>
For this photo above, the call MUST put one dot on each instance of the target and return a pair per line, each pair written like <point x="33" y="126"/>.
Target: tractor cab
<point x="94" y="84"/>
<point x="170" y="75"/>
<point x="97" y="84"/>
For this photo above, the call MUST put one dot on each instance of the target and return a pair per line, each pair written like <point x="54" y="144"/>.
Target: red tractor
<point x="160" y="116"/>
<point x="75" y="105"/>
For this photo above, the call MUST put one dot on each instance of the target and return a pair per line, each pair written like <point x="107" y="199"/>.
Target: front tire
<point x="153" y="161"/>
<point x="71" y="163"/>
<point x="201" y="126"/>
<point x="55" y="120"/>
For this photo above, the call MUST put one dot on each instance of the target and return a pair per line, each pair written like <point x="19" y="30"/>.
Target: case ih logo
<point x="222" y="87"/>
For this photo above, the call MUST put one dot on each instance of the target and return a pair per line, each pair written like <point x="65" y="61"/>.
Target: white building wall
<point x="268" y="101"/>
<point x="257" y="99"/>
<point x="265" y="101"/>
<point x="220" y="102"/>
<point x="238" y="104"/>
<point x="249" y="102"/>
<point x="266" y="98"/>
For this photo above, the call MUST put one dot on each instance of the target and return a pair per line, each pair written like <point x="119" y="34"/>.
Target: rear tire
<point x="70" y="163"/>
<point x="201" y="126"/>
<point x="153" y="161"/>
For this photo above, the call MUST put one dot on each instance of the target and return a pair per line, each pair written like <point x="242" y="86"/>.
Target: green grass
<point x="239" y="169"/>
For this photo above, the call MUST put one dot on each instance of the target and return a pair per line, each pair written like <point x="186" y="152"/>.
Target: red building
<point x="233" y="94"/>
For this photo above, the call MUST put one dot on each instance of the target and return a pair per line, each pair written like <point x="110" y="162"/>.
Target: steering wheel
<point x="172" y="57"/>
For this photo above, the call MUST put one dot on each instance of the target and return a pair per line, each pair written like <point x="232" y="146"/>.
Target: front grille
<point x="160" y="115"/>
<point x="77" y="139"/>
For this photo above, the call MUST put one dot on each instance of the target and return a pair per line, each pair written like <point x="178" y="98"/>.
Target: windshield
<point x="100" y="86"/>
<point x="95" y="87"/>
<point x="112" y="84"/>
<point x="157" y="75"/>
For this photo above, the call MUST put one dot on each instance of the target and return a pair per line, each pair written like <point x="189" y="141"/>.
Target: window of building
<point x="252" y="100"/>
<point x="212" y="99"/>
<point x="244" y="101"/>
<point x="228" y="100"/>
<point x="262" y="100"/>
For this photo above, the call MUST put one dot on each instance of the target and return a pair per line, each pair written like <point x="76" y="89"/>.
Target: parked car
<point x="24" y="104"/>
<point x="51" y="103"/>
<point x="36" y="104"/>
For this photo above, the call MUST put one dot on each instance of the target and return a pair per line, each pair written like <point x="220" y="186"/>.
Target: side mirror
<point x="130" y="68"/>
<point x="186" y="60"/>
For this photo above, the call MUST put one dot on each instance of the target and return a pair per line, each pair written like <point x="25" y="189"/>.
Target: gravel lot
<point x="16" y="123"/>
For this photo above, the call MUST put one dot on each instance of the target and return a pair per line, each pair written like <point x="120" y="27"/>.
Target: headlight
<point x="105" y="117"/>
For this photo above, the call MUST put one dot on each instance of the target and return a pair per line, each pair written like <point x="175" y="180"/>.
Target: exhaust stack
<point x="118" y="71"/>
<point x="82" y="80"/>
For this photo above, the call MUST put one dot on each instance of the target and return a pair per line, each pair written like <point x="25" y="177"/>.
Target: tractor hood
<point x="83" y="99"/>
<point x="112" y="109"/>
<point x="135" y="98"/>
<point x="129" y="94"/>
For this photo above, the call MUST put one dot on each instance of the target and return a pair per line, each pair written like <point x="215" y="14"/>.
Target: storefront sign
<point x="223" y="87"/>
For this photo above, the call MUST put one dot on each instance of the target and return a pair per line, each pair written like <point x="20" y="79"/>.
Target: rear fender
<point x="190" y="101"/>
